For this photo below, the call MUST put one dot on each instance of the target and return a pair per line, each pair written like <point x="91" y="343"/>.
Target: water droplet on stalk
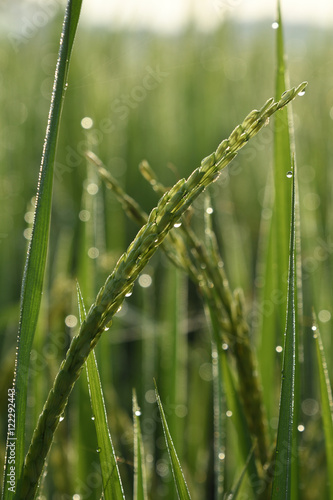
<point x="289" y="174"/>
<point x="225" y="347"/>
<point x="138" y="413"/>
<point x="275" y="25"/>
<point x="99" y="450"/>
<point x="228" y="413"/>
<point x="93" y="417"/>
<point x="301" y="93"/>
<point x="178" y="224"/>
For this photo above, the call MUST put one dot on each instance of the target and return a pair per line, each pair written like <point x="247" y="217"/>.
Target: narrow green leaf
<point x="236" y="489"/>
<point x="326" y="404"/>
<point x="219" y="424"/>
<point x="178" y="475"/>
<point x="112" y="486"/>
<point x="282" y="481"/>
<point x="282" y="164"/>
<point x="140" y="483"/>
<point x="32" y="283"/>
<point x="239" y="420"/>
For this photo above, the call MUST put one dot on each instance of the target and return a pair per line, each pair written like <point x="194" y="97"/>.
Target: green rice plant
<point x="237" y="385"/>
<point x="160" y="221"/>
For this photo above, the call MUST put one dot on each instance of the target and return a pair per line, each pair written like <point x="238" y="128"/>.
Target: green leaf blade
<point x="140" y="483"/>
<point x="326" y="405"/>
<point x="112" y="485"/>
<point x="282" y="481"/>
<point x="179" y="479"/>
<point x="33" y="278"/>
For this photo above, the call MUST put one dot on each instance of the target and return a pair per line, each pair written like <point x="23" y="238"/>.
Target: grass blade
<point x="112" y="486"/>
<point x="326" y="404"/>
<point x="282" y="164"/>
<point x="140" y="484"/>
<point x="178" y="475"/>
<point x="236" y="489"/>
<point x="33" y="277"/>
<point x="239" y="420"/>
<point x="282" y="481"/>
<point x="276" y="260"/>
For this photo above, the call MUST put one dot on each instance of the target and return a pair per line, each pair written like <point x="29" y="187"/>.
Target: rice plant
<point x="189" y="438"/>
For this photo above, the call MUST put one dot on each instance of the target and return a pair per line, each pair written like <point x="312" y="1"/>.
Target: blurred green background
<point x="169" y="99"/>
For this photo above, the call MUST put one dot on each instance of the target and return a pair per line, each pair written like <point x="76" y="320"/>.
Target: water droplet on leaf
<point x="289" y="174"/>
<point x="178" y="224"/>
<point x="275" y="25"/>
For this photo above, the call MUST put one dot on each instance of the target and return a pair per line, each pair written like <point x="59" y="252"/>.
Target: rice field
<point x="196" y="345"/>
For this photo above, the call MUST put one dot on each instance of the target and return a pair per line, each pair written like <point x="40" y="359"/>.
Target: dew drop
<point x="225" y="347"/>
<point x="84" y="215"/>
<point x="221" y="456"/>
<point x="99" y="450"/>
<point x="145" y="280"/>
<point x="229" y="413"/>
<point x="275" y="25"/>
<point x="301" y="93"/>
<point x="29" y="217"/>
<point x="128" y="294"/>
<point x="93" y="253"/>
<point x="92" y="188"/>
<point x="61" y="418"/>
<point x="301" y="428"/>
<point x="209" y="210"/>
<point x="138" y="413"/>
<point x="27" y="233"/>
<point x="71" y="321"/>
<point x="289" y="174"/>
<point x="314" y="328"/>
<point x="278" y="348"/>
<point x="87" y="122"/>
<point x="93" y="417"/>
<point x="178" y="224"/>
<point x="324" y="316"/>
